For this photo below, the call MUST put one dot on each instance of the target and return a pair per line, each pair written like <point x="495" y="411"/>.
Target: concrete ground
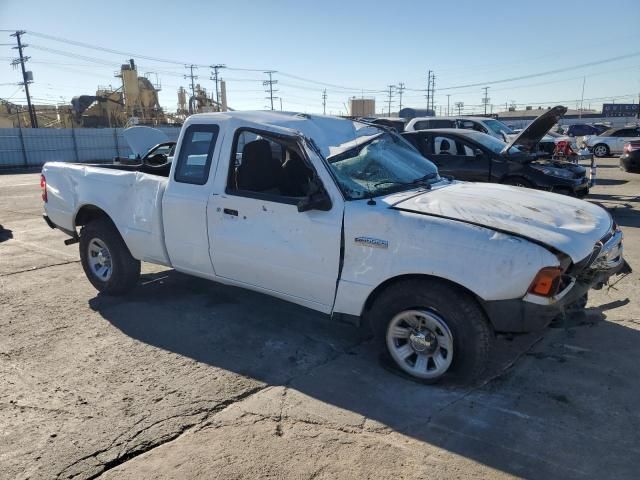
<point x="188" y="379"/>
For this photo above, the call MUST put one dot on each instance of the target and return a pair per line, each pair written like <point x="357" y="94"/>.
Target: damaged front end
<point x="604" y="266"/>
<point x="605" y="261"/>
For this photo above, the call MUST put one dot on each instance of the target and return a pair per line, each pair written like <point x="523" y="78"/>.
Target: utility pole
<point x="270" y="83"/>
<point x="459" y="106"/>
<point x="390" y="98"/>
<point x="215" y="77"/>
<point x="433" y="92"/>
<point x="485" y="99"/>
<point x="448" y="95"/>
<point x="584" y="80"/>
<point x="428" y="89"/>
<point x="27" y="77"/>
<point x="324" y="102"/>
<point x="400" y="91"/>
<point x="193" y="86"/>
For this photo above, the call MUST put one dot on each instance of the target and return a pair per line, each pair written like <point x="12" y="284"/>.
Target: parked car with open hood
<point x="347" y="219"/>
<point x="612" y="141"/>
<point x="478" y="157"/>
<point x="489" y="126"/>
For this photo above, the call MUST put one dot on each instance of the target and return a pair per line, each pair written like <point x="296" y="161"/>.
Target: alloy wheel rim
<point x="420" y="343"/>
<point x="99" y="259"/>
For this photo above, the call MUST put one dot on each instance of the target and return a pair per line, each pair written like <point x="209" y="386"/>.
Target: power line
<point x="548" y="72"/>
<point x="400" y="92"/>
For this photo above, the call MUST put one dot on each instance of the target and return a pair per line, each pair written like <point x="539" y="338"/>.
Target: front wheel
<point x="106" y="260"/>
<point x="430" y="330"/>
<point x="601" y="150"/>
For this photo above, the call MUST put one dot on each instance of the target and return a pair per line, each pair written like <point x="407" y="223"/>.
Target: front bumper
<point x="534" y="312"/>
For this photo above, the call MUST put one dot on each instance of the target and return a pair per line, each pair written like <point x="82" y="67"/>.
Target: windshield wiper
<point x="422" y="181"/>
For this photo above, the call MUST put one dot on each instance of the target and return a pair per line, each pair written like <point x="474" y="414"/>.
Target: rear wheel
<point x="518" y="182"/>
<point x="430" y="330"/>
<point x="601" y="150"/>
<point x="106" y="260"/>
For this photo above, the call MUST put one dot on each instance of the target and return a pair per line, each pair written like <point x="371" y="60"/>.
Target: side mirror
<point x="478" y="152"/>
<point x="316" y="199"/>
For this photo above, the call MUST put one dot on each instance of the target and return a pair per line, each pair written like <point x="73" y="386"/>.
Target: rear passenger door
<point x="457" y="157"/>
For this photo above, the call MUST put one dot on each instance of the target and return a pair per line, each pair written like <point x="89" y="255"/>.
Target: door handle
<point x="229" y="211"/>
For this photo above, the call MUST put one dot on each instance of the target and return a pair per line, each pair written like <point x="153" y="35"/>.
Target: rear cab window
<point x="196" y="152"/>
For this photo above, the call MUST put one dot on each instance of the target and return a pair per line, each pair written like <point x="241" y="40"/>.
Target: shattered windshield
<point x="381" y="164"/>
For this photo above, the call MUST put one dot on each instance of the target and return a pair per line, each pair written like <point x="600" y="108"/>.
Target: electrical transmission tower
<point x="400" y="91"/>
<point x="459" y="106"/>
<point x="324" y="102"/>
<point x="27" y="77"/>
<point x="215" y="77"/>
<point x="485" y="99"/>
<point x="269" y="86"/>
<point x="193" y="86"/>
<point x="390" y="98"/>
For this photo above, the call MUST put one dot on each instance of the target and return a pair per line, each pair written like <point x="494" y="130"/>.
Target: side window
<point x="268" y="167"/>
<point x="422" y="125"/>
<point x="444" y="146"/>
<point x="443" y="124"/>
<point x="196" y="151"/>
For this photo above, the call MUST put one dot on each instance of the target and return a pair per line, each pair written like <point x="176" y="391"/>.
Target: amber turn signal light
<point x="546" y="282"/>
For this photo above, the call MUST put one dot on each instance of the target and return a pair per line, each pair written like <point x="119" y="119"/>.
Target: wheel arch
<point x="87" y="213"/>
<point x="376" y="292"/>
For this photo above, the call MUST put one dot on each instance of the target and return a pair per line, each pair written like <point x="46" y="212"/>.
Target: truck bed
<point x="131" y="198"/>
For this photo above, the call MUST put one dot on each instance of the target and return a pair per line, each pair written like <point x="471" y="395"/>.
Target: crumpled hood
<point x="567" y="224"/>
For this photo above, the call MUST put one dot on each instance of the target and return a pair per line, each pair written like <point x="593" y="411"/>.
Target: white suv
<point x="490" y="126"/>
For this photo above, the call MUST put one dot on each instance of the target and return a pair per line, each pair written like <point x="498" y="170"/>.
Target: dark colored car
<point x="478" y="157"/>
<point x="630" y="159"/>
<point x="580" y="130"/>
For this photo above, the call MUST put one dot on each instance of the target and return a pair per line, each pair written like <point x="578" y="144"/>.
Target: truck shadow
<point x="541" y="419"/>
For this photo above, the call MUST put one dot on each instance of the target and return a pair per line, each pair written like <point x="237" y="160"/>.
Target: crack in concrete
<point x="33" y="269"/>
<point x="129" y="453"/>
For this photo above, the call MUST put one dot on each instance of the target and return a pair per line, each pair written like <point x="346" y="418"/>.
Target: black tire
<point x="597" y="150"/>
<point x="125" y="270"/>
<point x="518" y="182"/>
<point x="468" y="325"/>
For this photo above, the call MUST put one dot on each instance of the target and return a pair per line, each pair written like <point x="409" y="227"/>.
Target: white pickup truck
<point x="344" y="218"/>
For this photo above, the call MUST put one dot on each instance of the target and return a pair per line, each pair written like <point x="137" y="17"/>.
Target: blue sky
<point x="349" y="47"/>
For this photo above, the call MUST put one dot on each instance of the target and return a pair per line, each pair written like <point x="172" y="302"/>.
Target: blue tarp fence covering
<point x="33" y="147"/>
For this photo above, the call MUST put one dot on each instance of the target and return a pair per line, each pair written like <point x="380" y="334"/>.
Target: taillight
<point x="546" y="282"/>
<point x="43" y="187"/>
<point x="631" y="146"/>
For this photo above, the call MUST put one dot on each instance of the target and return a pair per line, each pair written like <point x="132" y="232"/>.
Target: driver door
<point x="258" y="238"/>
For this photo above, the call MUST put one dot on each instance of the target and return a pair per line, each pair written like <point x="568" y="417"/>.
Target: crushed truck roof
<point x="331" y="134"/>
